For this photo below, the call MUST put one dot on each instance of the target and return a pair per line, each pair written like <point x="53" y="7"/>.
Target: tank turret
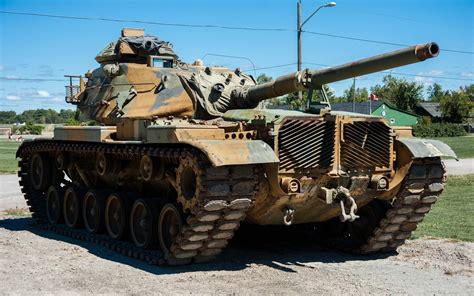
<point x="141" y="77"/>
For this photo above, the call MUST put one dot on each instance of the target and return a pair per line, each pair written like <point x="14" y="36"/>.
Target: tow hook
<point x="344" y="195"/>
<point x="289" y="216"/>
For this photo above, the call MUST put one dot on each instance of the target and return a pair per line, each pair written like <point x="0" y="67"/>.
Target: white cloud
<point x="468" y="74"/>
<point x="57" y="99"/>
<point x="435" y="72"/>
<point x="43" y="94"/>
<point x="2" y="67"/>
<point x="13" y="98"/>
<point x="11" y="77"/>
<point x="423" y="80"/>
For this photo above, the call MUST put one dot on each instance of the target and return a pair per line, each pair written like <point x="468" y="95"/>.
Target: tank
<point x="183" y="155"/>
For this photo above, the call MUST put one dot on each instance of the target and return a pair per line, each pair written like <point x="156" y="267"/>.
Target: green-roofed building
<point x="394" y="115"/>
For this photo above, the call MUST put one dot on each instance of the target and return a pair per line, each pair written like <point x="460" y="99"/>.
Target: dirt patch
<point x="33" y="260"/>
<point x="450" y="256"/>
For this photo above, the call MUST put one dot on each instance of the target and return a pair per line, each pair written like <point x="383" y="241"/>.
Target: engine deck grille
<point x="366" y="145"/>
<point x="306" y="144"/>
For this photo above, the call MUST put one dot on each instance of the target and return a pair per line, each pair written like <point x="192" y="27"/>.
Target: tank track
<point x="226" y="195"/>
<point x="420" y="190"/>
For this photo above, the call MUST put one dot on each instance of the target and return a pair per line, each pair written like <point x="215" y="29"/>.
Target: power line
<point x="380" y="42"/>
<point x="276" y="66"/>
<point x="427" y="76"/>
<point x="219" y="27"/>
<point x="145" y="22"/>
<point x="232" y="57"/>
<point x="30" y="79"/>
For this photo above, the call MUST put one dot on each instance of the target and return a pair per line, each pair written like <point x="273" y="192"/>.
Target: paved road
<point x="10" y="193"/>
<point x="461" y="167"/>
<point x="11" y="197"/>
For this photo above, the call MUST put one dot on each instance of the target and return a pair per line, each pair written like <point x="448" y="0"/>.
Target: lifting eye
<point x="218" y="87"/>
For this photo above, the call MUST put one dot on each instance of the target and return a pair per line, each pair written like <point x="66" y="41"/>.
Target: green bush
<point x="434" y="130"/>
<point x="30" y="128"/>
<point x="72" y="122"/>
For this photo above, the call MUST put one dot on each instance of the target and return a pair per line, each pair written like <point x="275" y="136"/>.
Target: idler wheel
<point x="93" y="211"/>
<point x="72" y="207"/>
<point x="116" y="214"/>
<point x="188" y="179"/>
<point x="40" y="172"/>
<point x="143" y="224"/>
<point x="170" y="223"/>
<point x="54" y="205"/>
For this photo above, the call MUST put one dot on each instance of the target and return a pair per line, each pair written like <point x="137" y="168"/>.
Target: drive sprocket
<point x="189" y="178"/>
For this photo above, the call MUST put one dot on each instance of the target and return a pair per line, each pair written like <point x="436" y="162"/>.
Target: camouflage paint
<point x="207" y="107"/>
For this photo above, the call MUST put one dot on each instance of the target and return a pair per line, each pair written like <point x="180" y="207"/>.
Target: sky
<point x="48" y="48"/>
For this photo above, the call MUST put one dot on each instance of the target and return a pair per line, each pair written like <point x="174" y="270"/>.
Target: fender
<point x="238" y="152"/>
<point x="420" y="148"/>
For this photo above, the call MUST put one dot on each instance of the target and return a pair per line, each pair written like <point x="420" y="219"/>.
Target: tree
<point x="401" y="93"/>
<point x="469" y="90"/>
<point x="43" y="116"/>
<point x="455" y="106"/>
<point x="262" y="78"/>
<point x="361" y="95"/>
<point x="435" y="92"/>
<point x="66" y="114"/>
<point x="7" y="116"/>
<point x="295" y="103"/>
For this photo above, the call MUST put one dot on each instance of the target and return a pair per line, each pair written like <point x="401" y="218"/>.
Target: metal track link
<point x="226" y="195"/>
<point x="420" y="190"/>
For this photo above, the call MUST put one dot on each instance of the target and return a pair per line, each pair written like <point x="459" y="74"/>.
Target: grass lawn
<point x="463" y="146"/>
<point x="8" y="162"/>
<point x="452" y="215"/>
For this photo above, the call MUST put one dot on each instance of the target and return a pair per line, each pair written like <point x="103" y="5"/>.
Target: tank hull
<point x="185" y="157"/>
<point x="216" y="176"/>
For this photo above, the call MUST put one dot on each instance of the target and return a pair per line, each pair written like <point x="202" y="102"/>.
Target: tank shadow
<point x="281" y="248"/>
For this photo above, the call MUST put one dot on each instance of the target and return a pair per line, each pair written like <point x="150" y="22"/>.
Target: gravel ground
<point x="44" y="263"/>
<point x="39" y="262"/>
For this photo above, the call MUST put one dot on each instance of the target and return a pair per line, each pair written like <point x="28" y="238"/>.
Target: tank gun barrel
<point x="302" y="80"/>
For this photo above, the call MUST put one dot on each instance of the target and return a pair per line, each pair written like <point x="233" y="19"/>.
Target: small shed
<point x="394" y="115"/>
<point x="429" y="109"/>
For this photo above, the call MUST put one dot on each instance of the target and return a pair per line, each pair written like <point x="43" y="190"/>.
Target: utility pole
<point x="354" y="95"/>
<point x="370" y="105"/>
<point x="299" y="30"/>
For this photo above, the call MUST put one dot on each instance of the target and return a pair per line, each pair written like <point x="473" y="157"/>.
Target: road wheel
<point x="40" y="171"/>
<point x="60" y="161"/>
<point x="93" y="211"/>
<point x="72" y="207"/>
<point x="151" y="168"/>
<point x="170" y="224"/>
<point x="54" y="205"/>
<point x="116" y="214"/>
<point x="143" y="223"/>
